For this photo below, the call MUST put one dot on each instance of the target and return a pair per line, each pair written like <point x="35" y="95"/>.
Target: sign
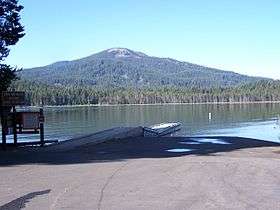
<point x="30" y="120"/>
<point x="13" y="98"/>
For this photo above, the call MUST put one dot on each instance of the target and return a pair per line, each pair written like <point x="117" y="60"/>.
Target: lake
<point x="258" y="121"/>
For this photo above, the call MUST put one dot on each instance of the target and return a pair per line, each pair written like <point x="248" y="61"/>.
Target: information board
<point x="30" y="120"/>
<point x="12" y="98"/>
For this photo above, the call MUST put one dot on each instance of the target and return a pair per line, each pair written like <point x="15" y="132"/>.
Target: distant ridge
<point x="122" y="67"/>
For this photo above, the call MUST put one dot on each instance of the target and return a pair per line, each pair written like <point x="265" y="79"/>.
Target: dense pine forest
<point x="44" y="94"/>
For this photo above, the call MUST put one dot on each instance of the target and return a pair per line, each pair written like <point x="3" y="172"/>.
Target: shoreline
<point x="161" y="104"/>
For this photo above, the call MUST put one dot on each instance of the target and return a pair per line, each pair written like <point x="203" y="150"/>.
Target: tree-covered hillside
<point x="38" y="93"/>
<point x="123" y="76"/>
<point x="124" y="68"/>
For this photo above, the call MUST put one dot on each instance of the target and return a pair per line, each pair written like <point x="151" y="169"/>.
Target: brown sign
<point x="30" y="120"/>
<point x="13" y="98"/>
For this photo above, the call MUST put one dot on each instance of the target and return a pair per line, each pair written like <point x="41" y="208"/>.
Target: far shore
<point x="157" y="104"/>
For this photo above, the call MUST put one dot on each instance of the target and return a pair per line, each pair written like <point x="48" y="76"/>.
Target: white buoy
<point x="210" y="116"/>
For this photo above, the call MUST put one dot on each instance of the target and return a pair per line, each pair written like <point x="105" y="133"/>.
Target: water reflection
<point x="208" y="140"/>
<point x="229" y="119"/>
<point x="179" y="150"/>
<point x="262" y="130"/>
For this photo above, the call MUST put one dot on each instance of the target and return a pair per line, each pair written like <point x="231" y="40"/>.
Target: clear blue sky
<point x="238" y="35"/>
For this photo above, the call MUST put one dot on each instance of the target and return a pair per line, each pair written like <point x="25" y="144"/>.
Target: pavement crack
<point x="110" y="178"/>
<point x="58" y="197"/>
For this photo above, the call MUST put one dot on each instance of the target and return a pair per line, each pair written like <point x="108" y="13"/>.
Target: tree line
<point x="43" y="94"/>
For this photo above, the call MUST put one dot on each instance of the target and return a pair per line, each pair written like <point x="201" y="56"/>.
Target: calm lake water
<point x="258" y="121"/>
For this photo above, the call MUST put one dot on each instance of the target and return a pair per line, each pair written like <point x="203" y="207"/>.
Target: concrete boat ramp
<point x="97" y="138"/>
<point x="117" y="169"/>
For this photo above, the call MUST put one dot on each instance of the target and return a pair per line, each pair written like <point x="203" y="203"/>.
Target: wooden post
<point x="14" y="126"/>
<point x="41" y="116"/>
<point x="3" y="123"/>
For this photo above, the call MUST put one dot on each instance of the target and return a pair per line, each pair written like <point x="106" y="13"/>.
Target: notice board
<point x="30" y="120"/>
<point x="12" y="98"/>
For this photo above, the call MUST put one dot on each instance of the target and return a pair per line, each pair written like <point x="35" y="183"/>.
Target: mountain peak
<point x="119" y="52"/>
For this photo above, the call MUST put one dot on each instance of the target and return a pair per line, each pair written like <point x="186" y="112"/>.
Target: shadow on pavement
<point x="19" y="203"/>
<point x="121" y="150"/>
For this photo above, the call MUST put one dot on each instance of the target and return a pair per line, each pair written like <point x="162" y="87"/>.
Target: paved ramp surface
<point x="144" y="173"/>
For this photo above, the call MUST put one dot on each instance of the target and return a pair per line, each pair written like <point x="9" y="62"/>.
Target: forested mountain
<point x="123" y="76"/>
<point x="121" y="67"/>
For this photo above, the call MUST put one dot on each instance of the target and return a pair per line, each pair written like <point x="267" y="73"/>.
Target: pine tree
<point x="10" y="32"/>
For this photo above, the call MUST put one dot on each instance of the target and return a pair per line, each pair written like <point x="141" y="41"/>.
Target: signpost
<point x="24" y="122"/>
<point x="10" y="99"/>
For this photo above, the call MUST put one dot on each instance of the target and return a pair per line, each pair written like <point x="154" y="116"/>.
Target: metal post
<point x="14" y="126"/>
<point x="41" y="116"/>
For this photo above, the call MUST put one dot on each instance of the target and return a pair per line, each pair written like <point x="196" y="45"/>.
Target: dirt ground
<point x="144" y="173"/>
